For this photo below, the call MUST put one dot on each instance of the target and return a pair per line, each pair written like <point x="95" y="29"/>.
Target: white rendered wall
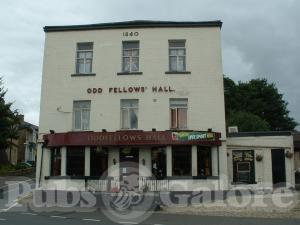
<point x="263" y="146"/>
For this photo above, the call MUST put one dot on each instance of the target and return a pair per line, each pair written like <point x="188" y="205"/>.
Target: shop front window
<point x="204" y="161"/>
<point x="182" y="160"/>
<point x="98" y="162"/>
<point x="158" y="159"/>
<point x="243" y="166"/>
<point x="75" y="161"/>
<point x="55" y="162"/>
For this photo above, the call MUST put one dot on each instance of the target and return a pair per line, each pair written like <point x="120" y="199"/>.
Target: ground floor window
<point x="204" y="161"/>
<point x="98" y="162"/>
<point x="55" y="162"/>
<point x="182" y="160"/>
<point x="243" y="166"/>
<point x="75" y="161"/>
<point x="158" y="159"/>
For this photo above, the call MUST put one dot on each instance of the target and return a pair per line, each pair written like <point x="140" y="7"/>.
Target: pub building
<point x="146" y="96"/>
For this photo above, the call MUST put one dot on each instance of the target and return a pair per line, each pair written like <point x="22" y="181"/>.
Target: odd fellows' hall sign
<point x="133" y="89"/>
<point x="132" y="138"/>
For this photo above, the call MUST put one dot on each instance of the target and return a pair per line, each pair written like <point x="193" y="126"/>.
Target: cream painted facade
<point x="263" y="146"/>
<point x="202" y="85"/>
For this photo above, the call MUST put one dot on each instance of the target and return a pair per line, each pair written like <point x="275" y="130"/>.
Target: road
<point x="91" y="218"/>
<point x="14" y="215"/>
<point x="13" y="187"/>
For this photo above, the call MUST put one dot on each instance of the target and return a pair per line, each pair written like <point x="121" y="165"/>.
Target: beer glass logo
<point x="128" y="199"/>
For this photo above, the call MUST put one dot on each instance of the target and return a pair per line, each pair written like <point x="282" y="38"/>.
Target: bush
<point x="6" y="168"/>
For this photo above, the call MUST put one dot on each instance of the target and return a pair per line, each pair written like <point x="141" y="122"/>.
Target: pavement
<point x="13" y="187"/>
<point x="50" y="218"/>
<point x="15" y="213"/>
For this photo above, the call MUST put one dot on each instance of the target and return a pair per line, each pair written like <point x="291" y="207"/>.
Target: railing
<point x="97" y="185"/>
<point x="112" y="184"/>
<point x="150" y="184"/>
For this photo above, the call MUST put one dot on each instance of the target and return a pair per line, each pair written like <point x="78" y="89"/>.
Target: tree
<point x="262" y="100"/>
<point x="247" y="121"/>
<point x="9" y="123"/>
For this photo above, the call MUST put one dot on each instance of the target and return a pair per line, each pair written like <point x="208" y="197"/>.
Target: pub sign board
<point x="133" y="138"/>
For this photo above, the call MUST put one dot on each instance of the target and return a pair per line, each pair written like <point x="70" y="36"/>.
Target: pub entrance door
<point x="129" y="169"/>
<point x="278" y="168"/>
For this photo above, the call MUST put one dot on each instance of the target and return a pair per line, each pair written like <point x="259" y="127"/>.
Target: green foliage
<point x="7" y="168"/>
<point x="261" y="103"/>
<point x="247" y="121"/>
<point x="9" y="120"/>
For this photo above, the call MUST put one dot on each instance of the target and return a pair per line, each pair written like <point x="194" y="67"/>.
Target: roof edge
<point x="260" y="134"/>
<point x="134" y="24"/>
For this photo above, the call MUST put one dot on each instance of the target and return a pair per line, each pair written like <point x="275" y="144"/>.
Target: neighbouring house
<point x="23" y="149"/>
<point x="146" y="96"/>
<point x="261" y="159"/>
<point x="297" y="158"/>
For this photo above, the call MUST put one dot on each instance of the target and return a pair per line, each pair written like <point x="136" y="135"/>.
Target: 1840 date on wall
<point x="130" y="34"/>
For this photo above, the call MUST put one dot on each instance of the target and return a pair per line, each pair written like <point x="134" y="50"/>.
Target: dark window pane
<point x="85" y="46"/>
<point x="204" y="161"/>
<point x="159" y="166"/>
<point x="130" y="44"/>
<point x="177" y="44"/>
<point x="55" y="162"/>
<point x="182" y="160"/>
<point x="98" y="166"/>
<point x="75" y="161"/>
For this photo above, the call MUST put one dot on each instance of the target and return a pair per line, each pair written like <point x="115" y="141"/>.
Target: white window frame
<point x="177" y="56"/>
<point x="85" y="58"/>
<point x="129" y="108"/>
<point x="176" y="115"/>
<point x="81" y="110"/>
<point x="130" y="57"/>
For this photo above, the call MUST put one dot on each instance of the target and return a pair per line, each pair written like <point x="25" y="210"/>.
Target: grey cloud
<point x="260" y="38"/>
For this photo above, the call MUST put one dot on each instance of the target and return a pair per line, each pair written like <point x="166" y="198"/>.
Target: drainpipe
<point x="41" y="165"/>
<point x="218" y="161"/>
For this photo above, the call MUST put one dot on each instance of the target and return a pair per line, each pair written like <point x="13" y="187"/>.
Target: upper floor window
<point x="81" y="111"/>
<point x="130" y="56"/>
<point x="178" y="110"/>
<point x="84" y="57"/>
<point x="129" y="113"/>
<point x="177" y="53"/>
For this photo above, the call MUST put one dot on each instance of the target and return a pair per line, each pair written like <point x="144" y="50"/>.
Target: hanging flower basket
<point x="289" y="154"/>
<point x="259" y="157"/>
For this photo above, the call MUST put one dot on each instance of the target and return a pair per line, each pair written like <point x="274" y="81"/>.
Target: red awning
<point x="133" y="138"/>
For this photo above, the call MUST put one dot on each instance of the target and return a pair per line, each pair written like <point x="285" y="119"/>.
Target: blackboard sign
<point x="243" y="166"/>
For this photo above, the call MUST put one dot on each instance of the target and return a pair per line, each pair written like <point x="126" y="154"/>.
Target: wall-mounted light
<point x="153" y="129"/>
<point x="143" y="162"/>
<point x="98" y="149"/>
<point x="114" y="161"/>
<point x="104" y="130"/>
<point x="52" y="132"/>
<point x="209" y="129"/>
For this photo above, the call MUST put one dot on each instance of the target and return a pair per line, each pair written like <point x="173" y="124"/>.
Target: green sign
<point x="193" y="136"/>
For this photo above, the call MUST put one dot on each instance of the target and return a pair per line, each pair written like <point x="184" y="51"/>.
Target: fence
<point x="113" y="184"/>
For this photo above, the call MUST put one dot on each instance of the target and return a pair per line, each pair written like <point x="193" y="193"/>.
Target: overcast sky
<point x="260" y="38"/>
